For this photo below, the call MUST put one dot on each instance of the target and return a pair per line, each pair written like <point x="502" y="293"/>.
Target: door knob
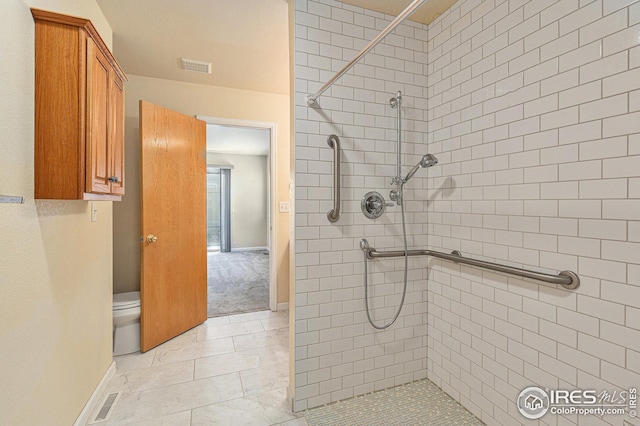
<point x="151" y="238"/>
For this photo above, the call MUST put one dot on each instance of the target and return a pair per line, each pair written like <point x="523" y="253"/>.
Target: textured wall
<point x="55" y="268"/>
<point x="337" y="353"/>
<point x="533" y="111"/>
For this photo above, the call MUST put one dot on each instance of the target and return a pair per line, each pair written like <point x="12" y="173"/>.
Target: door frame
<point x="271" y="197"/>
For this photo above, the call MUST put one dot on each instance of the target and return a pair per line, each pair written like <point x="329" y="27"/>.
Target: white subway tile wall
<point x="570" y="200"/>
<point x="532" y="109"/>
<point x="337" y="353"/>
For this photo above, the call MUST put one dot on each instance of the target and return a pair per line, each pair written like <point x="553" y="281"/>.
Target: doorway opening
<point x="218" y="209"/>
<point x="240" y="237"/>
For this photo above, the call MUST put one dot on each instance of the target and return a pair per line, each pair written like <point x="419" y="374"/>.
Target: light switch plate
<point x="284" y="207"/>
<point x="94" y="211"/>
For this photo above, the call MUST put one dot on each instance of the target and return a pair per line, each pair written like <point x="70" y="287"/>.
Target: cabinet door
<point x="97" y="149"/>
<point x="116" y="139"/>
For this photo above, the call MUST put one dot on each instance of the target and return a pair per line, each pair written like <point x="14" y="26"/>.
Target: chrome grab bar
<point x="566" y="279"/>
<point x="334" y="214"/>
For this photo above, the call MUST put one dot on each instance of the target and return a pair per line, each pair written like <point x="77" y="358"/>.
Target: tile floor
<point x="229" y="370"/>
<point x="416" y="403"/>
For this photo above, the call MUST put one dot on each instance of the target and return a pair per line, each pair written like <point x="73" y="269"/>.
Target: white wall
<point x="56" y="266"/>
<point x="249" y="198"/>
<point x="533" y="111"/>
<point x="337" y="353"/>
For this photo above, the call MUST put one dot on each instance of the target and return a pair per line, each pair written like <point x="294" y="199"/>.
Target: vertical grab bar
<point x="334" y="214"/>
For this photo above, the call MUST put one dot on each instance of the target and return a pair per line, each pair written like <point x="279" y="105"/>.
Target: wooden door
<point x="173" y="201"/>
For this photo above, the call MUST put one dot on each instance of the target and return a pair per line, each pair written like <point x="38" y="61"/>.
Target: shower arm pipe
<point x="334" y="214"/>
<point x="312" y="100"/>
<point x="566" y="279"/>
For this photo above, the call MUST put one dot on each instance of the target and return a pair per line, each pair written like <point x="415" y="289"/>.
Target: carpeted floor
<point x="238" y="282"/>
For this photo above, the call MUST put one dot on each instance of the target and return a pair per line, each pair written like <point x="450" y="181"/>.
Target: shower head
<point x="427" y="160"/>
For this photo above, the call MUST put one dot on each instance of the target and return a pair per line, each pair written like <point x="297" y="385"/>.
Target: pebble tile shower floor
<point x="416" y="403"/>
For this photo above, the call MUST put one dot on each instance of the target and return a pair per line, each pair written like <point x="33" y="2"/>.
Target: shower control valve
<point x="373" y="205"/>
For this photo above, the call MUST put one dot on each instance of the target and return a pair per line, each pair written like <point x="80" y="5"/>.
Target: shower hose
<point x="406" y="264"/>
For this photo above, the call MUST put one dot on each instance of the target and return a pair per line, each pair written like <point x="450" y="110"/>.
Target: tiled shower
<point x="533" y="109"/>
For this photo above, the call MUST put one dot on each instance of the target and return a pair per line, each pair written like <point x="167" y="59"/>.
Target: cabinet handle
<point x="114" y="179"/>
<point x="151" y="238"/>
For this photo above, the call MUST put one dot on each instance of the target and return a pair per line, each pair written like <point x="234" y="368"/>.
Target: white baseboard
<point x="249" y="248"/>
<point x="283" y="306"/>
<point x="90" y="406"/>
<point x="290" y="398"/>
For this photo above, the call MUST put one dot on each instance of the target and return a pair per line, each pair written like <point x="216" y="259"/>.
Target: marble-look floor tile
<point x="216" y="321"/>
<point x="236" y="361"/>
<point x="282" y="353"/>
<point x="134" y="361"/>
<point x="275" y="323"/>
<point x="279" y="337"/>
<point x="252" y="316"/>
<point x="230" y="330"/>
<point x="186" y="338"/>
<point x="249" y="316"/>
<point x="264" y="409"/>
<point x="225" y="364"/>
<point x="166" y="355"/>
<point x="260" y="380"/>
<point x="182" y="418"/>
<point x="152" y="377"/>
<point x="154" y="403"/>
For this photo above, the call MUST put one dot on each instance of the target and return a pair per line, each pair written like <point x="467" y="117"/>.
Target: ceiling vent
<point x="195" y="66"/>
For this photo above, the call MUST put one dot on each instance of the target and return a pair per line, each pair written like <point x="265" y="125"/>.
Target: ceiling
<point x="425" y="14"/>
<point x="237" y="140"/>
<point x="246" y="41"/>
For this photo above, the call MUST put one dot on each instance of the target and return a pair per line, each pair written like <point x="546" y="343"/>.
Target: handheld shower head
<point x="427" y="160"/>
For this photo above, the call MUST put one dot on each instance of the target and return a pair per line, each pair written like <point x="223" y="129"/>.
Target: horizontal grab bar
<point x="334" y="214"/>
<point x="566" y="279"/>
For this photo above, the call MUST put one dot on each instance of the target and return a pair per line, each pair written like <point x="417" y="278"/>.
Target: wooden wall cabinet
<point x="79" y="112"/>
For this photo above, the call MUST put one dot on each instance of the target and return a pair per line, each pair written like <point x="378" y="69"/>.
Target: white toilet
<point x="126" y="322"/>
